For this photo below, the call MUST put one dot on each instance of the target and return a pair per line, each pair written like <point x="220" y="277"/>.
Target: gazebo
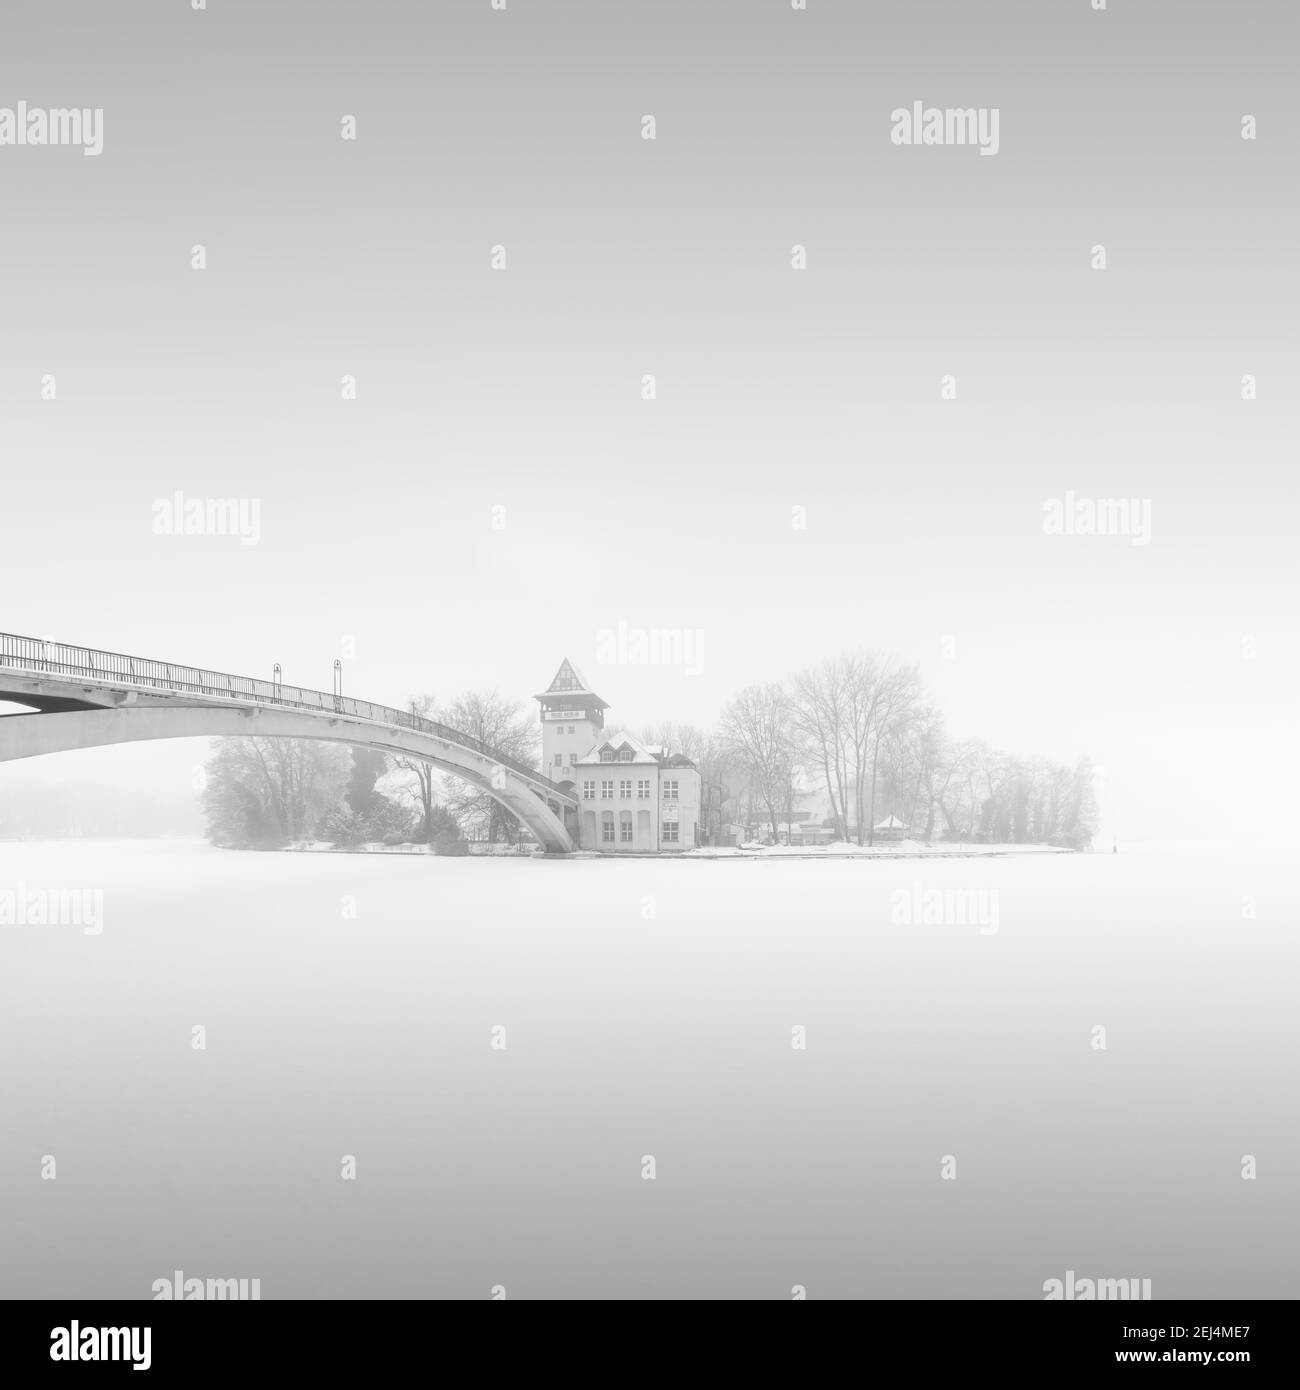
<point x="891" y="828"/>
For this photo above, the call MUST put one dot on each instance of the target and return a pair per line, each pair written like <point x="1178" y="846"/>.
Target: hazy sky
<point x="521" y="388"/>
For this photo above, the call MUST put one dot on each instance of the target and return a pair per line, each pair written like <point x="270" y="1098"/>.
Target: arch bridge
<point x="78" y="697"/>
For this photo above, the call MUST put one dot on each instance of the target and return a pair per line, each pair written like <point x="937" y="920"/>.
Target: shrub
<point x="344" y="827"/>
<point x="388" y="823"/>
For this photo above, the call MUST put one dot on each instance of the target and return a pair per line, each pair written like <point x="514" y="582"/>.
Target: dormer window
<point x="607" y="754"/>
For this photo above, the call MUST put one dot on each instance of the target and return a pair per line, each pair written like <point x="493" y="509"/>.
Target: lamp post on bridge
<point x="275" y="679"/>
<point x="338" y="683"/>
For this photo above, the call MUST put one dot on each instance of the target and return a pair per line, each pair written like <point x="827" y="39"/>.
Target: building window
<point x="625" y="789"/>
<point x="559" y="758"/>
<point x="670" y="790"/>
<point x="607" y="790"/>
<point x="625" y="830"/>
<point x="625" y="755"/>
<point x="570" y="728"/>
<point x="643" y="789"/>
<point x="589" y="791"/>
<point x="607" y="832"/>
<point x="670" y="832"/>
<point x="607" y="755"/>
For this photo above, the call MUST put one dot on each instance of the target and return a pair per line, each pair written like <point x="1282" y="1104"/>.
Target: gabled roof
<point x="640" y="753"/>
<point x="568" y="680"/>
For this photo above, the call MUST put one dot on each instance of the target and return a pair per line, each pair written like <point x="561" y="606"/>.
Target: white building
<point x="633" y="798"/>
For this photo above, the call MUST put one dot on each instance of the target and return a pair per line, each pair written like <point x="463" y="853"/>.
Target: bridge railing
<point x="56" y="658"/>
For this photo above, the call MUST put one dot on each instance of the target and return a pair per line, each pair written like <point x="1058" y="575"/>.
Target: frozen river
<point x="349" y="1003"/>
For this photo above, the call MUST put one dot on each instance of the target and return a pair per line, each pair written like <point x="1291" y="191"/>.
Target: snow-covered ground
<point x="887" y="849"/>
<point x="884" y="849"/>
<point x="649" y="1009"/>
<point x="482" y="847"/>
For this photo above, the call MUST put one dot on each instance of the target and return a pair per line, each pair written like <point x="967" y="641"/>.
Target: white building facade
<point x="633" y="798"/>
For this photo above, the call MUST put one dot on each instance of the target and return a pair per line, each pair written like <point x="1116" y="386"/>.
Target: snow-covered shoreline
<point x="898" y="849"/>
<point x="477" y="850"/>
<point x="901" y="849"/>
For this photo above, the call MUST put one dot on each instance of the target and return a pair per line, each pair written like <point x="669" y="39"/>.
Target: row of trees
<point x="858" y="731"/>
<point x="859" y="727"/>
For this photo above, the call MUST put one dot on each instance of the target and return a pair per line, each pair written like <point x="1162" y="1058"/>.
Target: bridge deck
<point x="34" y="656"/>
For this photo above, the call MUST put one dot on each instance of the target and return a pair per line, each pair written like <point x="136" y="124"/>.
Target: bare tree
<point x="271" y="790"/>
<point x="424" y="789"/>
<point x="941" y="764"/>
<point x="887" y="701"/>
<point x="758" y="727"/>
<point x="819" y="716"/>
<point x="505" y="725"/>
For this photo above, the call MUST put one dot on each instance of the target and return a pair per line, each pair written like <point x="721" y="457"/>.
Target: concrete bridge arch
<point x="70" y="714"/>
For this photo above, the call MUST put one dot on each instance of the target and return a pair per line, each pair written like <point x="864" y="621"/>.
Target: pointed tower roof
<point x="568" y="678"/>
<point x="568" y="681"/>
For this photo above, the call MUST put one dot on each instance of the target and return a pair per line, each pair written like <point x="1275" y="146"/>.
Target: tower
<point x="573" y="716"/>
